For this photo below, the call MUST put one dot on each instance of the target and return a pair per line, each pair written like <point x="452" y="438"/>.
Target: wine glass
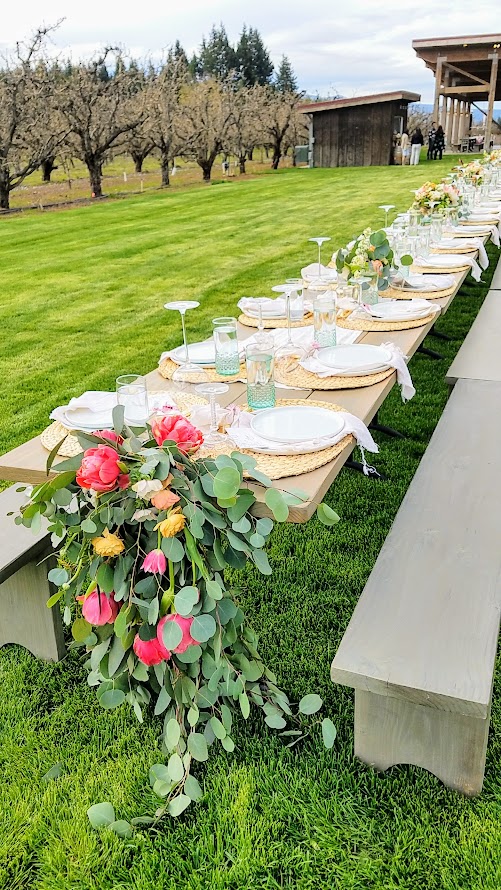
<point x="290" y="353"/>
<point x="213" y="438"/>
<point x="319" y="241"/>
<point x="187" y="372"/>
<point x="386" y="208"/>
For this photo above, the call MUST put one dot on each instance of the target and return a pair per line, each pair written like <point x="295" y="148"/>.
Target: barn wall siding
<point x="360" y="136"/>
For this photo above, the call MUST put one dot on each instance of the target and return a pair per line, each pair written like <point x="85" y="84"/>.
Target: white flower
<point x="146" y="487"/>
<point x="142" y="515"/>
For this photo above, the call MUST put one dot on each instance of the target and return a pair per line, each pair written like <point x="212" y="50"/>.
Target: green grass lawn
<point x="81" y="302"/>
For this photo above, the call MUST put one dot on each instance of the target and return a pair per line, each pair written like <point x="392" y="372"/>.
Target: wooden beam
<point x="467" y="74"/>
<point x="449" y="91"/>
<point x="492" y="96"/>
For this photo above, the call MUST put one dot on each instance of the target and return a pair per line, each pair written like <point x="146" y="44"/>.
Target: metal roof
<point x="333" y="104"/>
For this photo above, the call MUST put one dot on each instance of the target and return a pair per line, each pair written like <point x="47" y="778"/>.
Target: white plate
<point x="394" y="312"/>
<point x="355" y="359"/>
<point x="86" y="420"/>
<point x="203" y="353"/>
<point x="293" y="424"/>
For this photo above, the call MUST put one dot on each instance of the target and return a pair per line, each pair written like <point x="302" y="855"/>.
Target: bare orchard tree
<point x="244" y="133"/>
<point x="139" y="146"/>
<point x="163" y="126"/>
<point x="205" y="122"/>
<point x="296" y="134"/>
<point x="419" y="117"/>
<point x="100" y="111"/>
<point x="277" y="116"/>
<point x="30" y="132"/>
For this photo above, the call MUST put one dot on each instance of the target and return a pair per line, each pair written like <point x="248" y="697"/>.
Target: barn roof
<point x="333" y="104"/>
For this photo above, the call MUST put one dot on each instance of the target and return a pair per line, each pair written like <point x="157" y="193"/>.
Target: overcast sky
<point x="353" y="47"/>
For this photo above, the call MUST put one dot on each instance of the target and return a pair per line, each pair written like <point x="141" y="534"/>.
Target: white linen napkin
<point x="494" y="231"/>
<point x="102" y="403"/>
<point x="244" y="437"/>
<point x="170" y="353"/>
<point x="443" y="260"/>
<point x="312" y="276"/>
<point x="425" y="282"/>
<point x="458" y="243"/>
<point x="304" y="336"/>
<point x="397" y="360"/>
<point x="251" y="305"/>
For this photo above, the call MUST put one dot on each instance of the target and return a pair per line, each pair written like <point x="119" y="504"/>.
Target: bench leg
<point x="24" y="616"/>
<point x="451" y="746"/>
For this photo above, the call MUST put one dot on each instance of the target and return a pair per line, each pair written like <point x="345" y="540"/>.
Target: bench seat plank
<point x="479" y="357"/>
<point x="425" y="628"/>
<point x="496" y="281"/>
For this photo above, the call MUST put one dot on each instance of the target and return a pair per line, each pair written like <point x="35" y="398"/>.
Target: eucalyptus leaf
<point x="226" y="482"/>
<point x="58" y="576"/>
<point x="310" y="704"/>
<point x="112" y="698"/>
<point x="274" y="499"/>
<point x="172" y="733"/>
<point x="192" y="788"/>
<point x="329" y="732"/>
<point x="197" y="746"/>
<point x="101" y="814"/>
<point x="327" y="515"/>
<point x="121" y="828"/>
<point x="203" y="628"/>
<point x="171" y="635"/>
<point x="175" y="767"/>
<point x="178" y="804"/>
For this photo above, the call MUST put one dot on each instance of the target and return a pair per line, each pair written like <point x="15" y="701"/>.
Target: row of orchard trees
<point x="94" y="110"/>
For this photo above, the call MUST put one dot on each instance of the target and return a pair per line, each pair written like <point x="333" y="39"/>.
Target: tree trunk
<point x="277" y="154"/>
<point x="47" y="167"/>
<point x="4" y="190"/>
<point x="294" y="161"/>
<point x="250" y="154"/>
<point x="95" y="177"/>
<point x="164" y="167"/>
<point x="206" y="166"/>
<point x="138" y="162"/>
<point x="242" y="160"/>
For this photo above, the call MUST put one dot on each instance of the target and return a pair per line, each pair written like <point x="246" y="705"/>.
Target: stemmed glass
<point x="386" y="208"/>
<point x="290" y="353"/>
<point x="187" y="372"/>
<point x="213" y="438"/>
<point x="319" y="241"/>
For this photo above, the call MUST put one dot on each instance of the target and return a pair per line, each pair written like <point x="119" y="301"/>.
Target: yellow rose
<point x="108" y="545"/>
<point x="172" y="525"/>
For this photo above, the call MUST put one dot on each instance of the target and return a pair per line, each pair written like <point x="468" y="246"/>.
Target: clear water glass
<point x="226" y="346"/>
<point x="324" y="319"/>
<point x="260" y="362"/>
<point x="296" y="298"/>
<point x="133" y="395"/>
<point x="437" y="223"/>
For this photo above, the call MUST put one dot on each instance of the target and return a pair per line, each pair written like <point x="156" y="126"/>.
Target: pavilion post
<point x="451" y="104"/>
<point x="455" y="123"/>
<point x="438" y="85"/>
<point x="492" y="95"/>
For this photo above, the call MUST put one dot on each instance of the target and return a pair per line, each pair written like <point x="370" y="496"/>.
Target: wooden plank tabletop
<point x="27" y="462"/>
<point x="432" y="638"/>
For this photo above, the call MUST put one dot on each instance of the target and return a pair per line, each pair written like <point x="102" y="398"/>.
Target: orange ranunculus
<point x="164" y="499"/>
<point x="170" y="527"/>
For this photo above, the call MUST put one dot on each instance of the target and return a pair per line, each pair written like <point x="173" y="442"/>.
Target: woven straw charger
<point x="303" y="379"/>
<point x="167" y="368"/>
<point x="71" y="446"/>
<point x="372" y="324"/>
<point x="278" y="466"/>
<point x="434" y="270"/>
<point x="394" y="294"/>
<point x="275" y="322"/>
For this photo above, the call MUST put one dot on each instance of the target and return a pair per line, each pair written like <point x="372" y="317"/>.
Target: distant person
<point x="226" y="167"/>
<point x="417" y="141"/>
<point x="405" y="145"/>
<point x="439" y="145"/>
<point x="431" y="141"/>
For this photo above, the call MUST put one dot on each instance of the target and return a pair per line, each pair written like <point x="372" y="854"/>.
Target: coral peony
<point x="164" y="499"/>
<point x="155" y="562"/>
<point x="150" y="651"/>
<point x="176" y="428"/>
<point x="110" y="435"/>
<point x="172" y="525"/>
<point x="184" y="624"/>
<point x="100" y="470"/>
<point x="108" y="545"/>
<point x="98" y="608"/>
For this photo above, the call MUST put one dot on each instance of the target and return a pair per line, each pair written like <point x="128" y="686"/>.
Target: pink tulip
<point x="150" y="651"/>
<point x="185" y="625"/>
<point x="155" y="562"/>
<point x="98" y="608"/>
<point x="108" y="434"/>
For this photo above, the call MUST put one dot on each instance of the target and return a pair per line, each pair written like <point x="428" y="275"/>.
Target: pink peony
<point x="99" y="470"/>
<point x="185" y="625"/>
<point x="108" y="434"/>
<point x="155" y="562"/>
<point x="176" y="428"/>
<point x="150" y="651"/>
<point x="98" y="608"/>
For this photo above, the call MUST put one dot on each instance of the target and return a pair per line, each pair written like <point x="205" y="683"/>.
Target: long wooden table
<point x="27" y="462"/>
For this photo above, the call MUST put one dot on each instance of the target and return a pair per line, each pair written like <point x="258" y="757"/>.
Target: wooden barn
<point x="356" y="132"/>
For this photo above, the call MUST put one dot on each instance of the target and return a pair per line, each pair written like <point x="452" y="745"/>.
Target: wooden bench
<point x="479" y="357"/>
<point x="24" y="588"/>
<point x="421" y="645"/>
<point x="496" y="280"/>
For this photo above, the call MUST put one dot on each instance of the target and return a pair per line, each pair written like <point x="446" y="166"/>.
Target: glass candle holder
<point x="260" y="364"/>
<point x="132" y="394"/>
<point x="226" y="346"/>
<point x="324" y="319"/>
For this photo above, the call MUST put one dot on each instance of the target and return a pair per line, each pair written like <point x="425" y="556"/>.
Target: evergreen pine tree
<point x="285" y="79"/>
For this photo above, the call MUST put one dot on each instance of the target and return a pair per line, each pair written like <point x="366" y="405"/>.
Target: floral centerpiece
<point x="473" y="172"/>
<point x="369" y="255"/>
<point x="144" y="531"/>
<point x="492" y="157"/>
<point x="433" y="197"/>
